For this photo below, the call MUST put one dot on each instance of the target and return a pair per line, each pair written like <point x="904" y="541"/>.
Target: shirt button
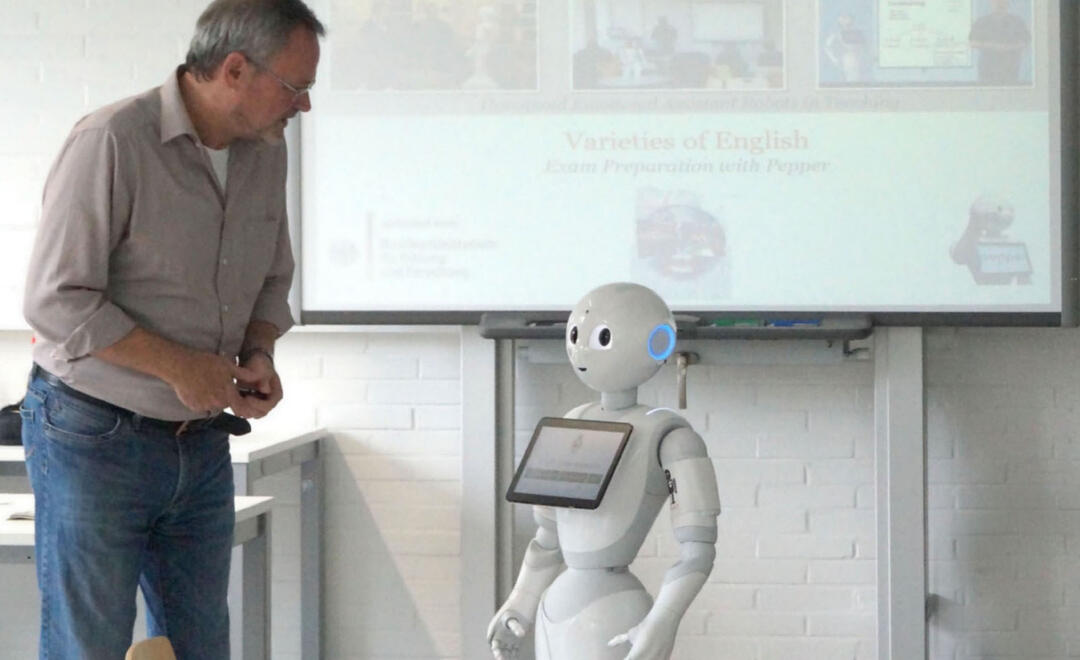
<point x="224" y="308"/>
<point x="224" y="262"/>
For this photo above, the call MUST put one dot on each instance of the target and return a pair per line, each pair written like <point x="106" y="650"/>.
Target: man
<point x="845" y="47"/>
<point x="156" y="289"/>
<point x="664" y="35"/>
<point x="1001" y="39"/>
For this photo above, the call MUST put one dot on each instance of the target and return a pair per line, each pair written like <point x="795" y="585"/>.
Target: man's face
<point x="268" y="103"/>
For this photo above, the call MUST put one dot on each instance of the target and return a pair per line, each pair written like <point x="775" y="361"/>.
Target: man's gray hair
<point x="257" y="28"/>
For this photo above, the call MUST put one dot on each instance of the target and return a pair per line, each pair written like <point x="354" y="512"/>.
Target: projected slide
<point x="725" y="153"/>
<point x="883" y="43"/>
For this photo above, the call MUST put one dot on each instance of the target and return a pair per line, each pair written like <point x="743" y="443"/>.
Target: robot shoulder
<point x="680" y="444"/>
<point x="577" y="412"/>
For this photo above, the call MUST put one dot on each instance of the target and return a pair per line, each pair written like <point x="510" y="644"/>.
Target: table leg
<point x="255" y="613"/>
<point x="311" y="558"/>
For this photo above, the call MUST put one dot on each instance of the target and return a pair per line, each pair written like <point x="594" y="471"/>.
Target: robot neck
<point x="618" y="400"/>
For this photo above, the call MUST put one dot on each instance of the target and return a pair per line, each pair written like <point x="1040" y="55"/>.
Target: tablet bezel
<point x="570" y="502"/>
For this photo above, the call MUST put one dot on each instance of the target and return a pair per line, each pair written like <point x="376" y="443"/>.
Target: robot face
<point x="618" y="336"/>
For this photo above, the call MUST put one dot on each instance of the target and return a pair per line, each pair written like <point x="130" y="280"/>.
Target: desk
<point x="261" y="454"/>
<point x="12" y="461"/>
<point x="252" y="533"/>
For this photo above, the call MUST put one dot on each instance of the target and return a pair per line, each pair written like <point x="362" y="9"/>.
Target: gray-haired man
<point x="156" y="290"/>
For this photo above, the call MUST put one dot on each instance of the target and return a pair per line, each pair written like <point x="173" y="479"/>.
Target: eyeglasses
<point x="297" y="92"/>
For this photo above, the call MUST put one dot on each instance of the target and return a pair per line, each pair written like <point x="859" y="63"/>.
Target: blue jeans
<point x="119" y="504"/>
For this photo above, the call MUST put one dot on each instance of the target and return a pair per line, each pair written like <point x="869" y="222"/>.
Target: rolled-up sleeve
<point x="272" y="304"/>
<point x="85" y="208"/>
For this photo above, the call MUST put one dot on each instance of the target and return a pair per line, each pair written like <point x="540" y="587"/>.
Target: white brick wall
<point x="393" y="487"/>
<point x="1003" y="481"/>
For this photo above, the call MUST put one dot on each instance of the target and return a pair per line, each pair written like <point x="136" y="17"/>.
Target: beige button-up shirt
<point x="136" y="231"/>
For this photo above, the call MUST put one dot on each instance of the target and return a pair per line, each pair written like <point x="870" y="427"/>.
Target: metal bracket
<point x="933" y="604"/>
<point x="682" y="361"/>
<point x="857" y="349"/>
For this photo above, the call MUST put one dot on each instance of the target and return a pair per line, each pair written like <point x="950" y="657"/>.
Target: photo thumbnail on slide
<point x="988" y="252"/>
<point x="682" y="248"/>
<point x="407" y="45"/>
<point x="717" y="45"/>
<point x="948" y="43"/>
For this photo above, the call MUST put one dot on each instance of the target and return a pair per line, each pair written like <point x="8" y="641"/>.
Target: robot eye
<point x="600" y="338"/>
<point x="573" y="335"/>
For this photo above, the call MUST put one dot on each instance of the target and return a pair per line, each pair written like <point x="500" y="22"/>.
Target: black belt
<point x="231" y="424"/>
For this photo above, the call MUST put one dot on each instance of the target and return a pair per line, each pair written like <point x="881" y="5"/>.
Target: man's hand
<point x="260" y="391"/>
<point x="207" y="382"/>
<point x="204" y="382"/>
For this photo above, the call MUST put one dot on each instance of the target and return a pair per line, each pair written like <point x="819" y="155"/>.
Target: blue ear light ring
<point x="668" y="348"/>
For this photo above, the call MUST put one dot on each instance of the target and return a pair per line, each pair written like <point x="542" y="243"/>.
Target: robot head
<point x="618" y="336"/>
<point x="991" y="215"/>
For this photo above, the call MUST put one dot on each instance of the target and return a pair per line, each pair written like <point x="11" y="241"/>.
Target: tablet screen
<point x="569" y="462"/>
<point x="1006" y="258"/>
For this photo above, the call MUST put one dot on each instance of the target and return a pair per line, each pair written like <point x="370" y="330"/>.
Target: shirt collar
<point x="175" y="120"/>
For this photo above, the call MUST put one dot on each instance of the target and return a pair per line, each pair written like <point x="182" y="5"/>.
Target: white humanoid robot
<point x="985" y="248"/>
<point x="617" y="337"/>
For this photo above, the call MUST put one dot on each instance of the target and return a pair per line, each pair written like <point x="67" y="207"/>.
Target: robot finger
<point x="619" y="639"/>
<point x="496" y="650"/>
<point x="515" y="627"/>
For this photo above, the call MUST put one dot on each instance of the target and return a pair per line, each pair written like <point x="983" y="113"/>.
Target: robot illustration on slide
<point x="990" y="255"/>
<point x="618" y="336"/>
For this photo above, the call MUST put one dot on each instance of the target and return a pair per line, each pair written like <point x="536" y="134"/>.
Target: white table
<point x="12" y="461"/>
<point x="260" y="454"/>
<point x="252" y="532"/>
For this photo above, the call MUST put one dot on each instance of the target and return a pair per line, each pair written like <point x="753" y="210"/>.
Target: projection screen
<point x="875" y="156"/>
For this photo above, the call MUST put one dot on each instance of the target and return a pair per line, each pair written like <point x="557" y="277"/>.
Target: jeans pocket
<point x="72" y="421"/>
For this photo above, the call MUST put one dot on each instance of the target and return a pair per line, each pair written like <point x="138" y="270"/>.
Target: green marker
<point x="738" y="323"/>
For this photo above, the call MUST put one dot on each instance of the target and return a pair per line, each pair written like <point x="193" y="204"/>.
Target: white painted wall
<point x="789" y="430"/>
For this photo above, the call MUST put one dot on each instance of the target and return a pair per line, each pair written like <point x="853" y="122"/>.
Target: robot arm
<point x="694" y="506"/>
<point x="542" y="564"/>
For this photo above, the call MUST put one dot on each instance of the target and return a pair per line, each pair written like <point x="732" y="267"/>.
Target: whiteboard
<point x="426" y="195"/>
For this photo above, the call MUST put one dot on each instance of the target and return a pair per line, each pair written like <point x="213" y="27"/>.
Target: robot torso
<point x="611" y="535"/>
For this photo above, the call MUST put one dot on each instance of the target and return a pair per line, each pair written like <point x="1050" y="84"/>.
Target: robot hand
<point x="506" y="631"/>
<point x="652" y="639"/>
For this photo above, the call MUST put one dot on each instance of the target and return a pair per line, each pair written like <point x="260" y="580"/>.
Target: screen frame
<point x="569" y="502"/>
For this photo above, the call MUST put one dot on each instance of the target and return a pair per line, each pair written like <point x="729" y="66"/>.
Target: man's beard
<point x="274" y="134"/>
